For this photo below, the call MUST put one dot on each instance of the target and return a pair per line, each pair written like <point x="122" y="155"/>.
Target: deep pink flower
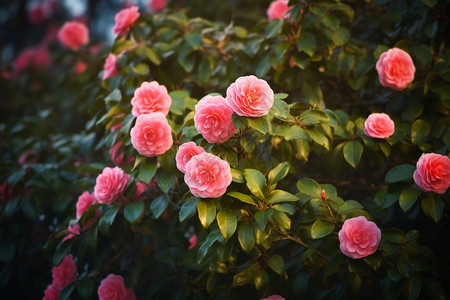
<point x="65" y="273"/>
<point x="85" y="200"/>
<point x="207" y="175"/>
<point x="156" y="6"/>
<point x="35" y="58"/>
<point x="125" y="19"/>
<point x="395" y="69"/>
<point x="73" y="35"/>
<point x="30" y="156"/>
<point x="433" y="173"/>
<point x="150" y="97"/>
<point x="274" y="297"/>
<point x="192" y="241"/>
<point x="118" y="157"/>
<point x="51" y="293"/>
<point x="110" y="185"/>
<point x="359" y="237"/>
<point x="110" y="66"/>
<point x="5" y="193"/>
<point x="141" y="187"/>
<point x="151" y="135"/>
<point x="80" y="67"/>
<point x="278" y="10"/>
<point x="379" y="125"/>
<point x="213" y="119"/>
<point x="75" y="229"/>
<point x="113" y="288"/>
<point x="185" y="153"/>
<point x="250" y="97"/>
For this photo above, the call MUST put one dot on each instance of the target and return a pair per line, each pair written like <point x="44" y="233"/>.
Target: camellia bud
<point x="324" y="195"/>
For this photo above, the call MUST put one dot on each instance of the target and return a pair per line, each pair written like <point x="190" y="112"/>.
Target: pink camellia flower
<point x="151" y="135"/>
<point x="110" y="184"/>
<point x="110" y="66"/>
<point x="113" y="288"/>
<point x="150" y="97"/>
<point x="51" y="293"/>
<point x="30" y="156"/>
<point x="213" y="119"/>
<point x="75" y="230"/>
<point x="156" y="5"/>
<point x="278" y="10"/>
<point x="125" y="19"/>
<point x="141" y="187"/>
<point x="73" y="35"/>
<point x="379" y="125"/>
<point x="118" y="157"/>
<point x="359" y="237"/>
<point x="207" y="175"/>
<point x="185" y="153"/>
<point x="433" y="173"/>
<point x="192" y="241"/>
<point x="250" y="97"/>
<point x="35" y="58"/>
<point x="65" y="273"/>
<point x="274" y="297"/>
<point x="395" y="69"/>
<point x="85" y="200"/>
<point x="80" y="67"/>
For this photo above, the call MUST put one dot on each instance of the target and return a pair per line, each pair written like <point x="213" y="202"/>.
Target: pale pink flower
<point x="185" y="153"/>
<point x="433" y="173"/>
<point x="73" y="35"/>
<point x="250" y="97"/>
<point x="125" y="19"/>
<point x="110" y="185"/>
<point x="151" y="135"/>
<point x="113" y="288"/>
<point x="207" y="175"/>
<point x="395" y="69"/>
<point x="80" y="67"/>
<point x="65" y="273"/>
<point x="213" y="119"/>
<point x="274" y="297"/>
<point x="30" y="156"/>
<point x="110" y="66"/>
<point x="51" y="293"/>
<point x="118" y="157"/>
<point x="359" y="237"/>
<point x="156" y="6"/>
<point x="35" y="58"/>
<point x="150" y="97"/>
<point x="379" y="125"/>
<point x="192" y="241"/>
<point x="85" y="200"/>
<point x="278" y="10"/>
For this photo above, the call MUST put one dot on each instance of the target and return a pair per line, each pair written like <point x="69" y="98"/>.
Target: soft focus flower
<point x="141" y="187"/>
<point x="150" y="97"/>
<point x="5" y="193"/>
<point x="278" y="10"/>
<point x="213" y="119"/>
<point x="110" y="66"/>
<point x="65" y="273"/>
<point x="359" y="237"/>
<point x="250" y="97"/>
<point x="192" y="241"/>
<point x="185" y="153"/>
<point x="274" y="297"/>
<point x="151" y="135"/>
<point x="41" y="10"/>
<point x="30" y="156"/>
<point x="118" y="157"/>
<point x="51" y="293"/>
<point x="73" y="35"/>
<point x="207" y="175"/>
<point x="35" y="58"/>
<point x="110" y="184"/>
<point x="395" y="69"/>
<point x="125" y="19"/>
<point x="75" y="229"/>
<point x="113" y="288"/>
<point x="433" y="173"/>
<point x="156" y="5"/>
<point x="80" y="67"/>
<point x="379" y="125"/>
<point x="85" y="200"/>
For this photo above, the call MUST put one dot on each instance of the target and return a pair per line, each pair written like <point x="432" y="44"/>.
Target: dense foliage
<point x="298" y="172"/>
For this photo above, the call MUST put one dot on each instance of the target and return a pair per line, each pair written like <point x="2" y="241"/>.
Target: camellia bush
<point x="297" y="151"/>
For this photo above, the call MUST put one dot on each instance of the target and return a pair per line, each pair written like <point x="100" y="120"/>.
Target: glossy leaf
<point x="227" y="223"/>
<point x="352" y="152"/>
<point x="133" y="211"/>
<point x="206" y="211"/>
<point x="246" y="236"/>
<point x="256" y="182"/>
<point x="400" y="173"/>
<point x="321" y="229"/>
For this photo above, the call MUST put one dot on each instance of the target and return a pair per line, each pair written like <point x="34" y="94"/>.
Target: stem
<point x="329" y="210"/>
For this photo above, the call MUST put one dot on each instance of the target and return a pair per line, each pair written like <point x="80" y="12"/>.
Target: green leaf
<point x="85" y="287"/>
<point x="277" y="196"/>
<point x="108" y="218"/>
<point x="256" y="182"/>
<point x="227" y="222"/>
<point x="133" y="211"/>
<point x="214" y="236"/>
<point x="352" y="152"/>
<point x="432" y="206"/>
<point x="400" y="173"/>
<point x="412" y="287"/>
<point x="430" y="3"/>
<point x="238" y="121"/>
<point x="159" y="205"/>
<point x="114" y="96"/>
<point x="147" y="171"/>
<point x="141" y="69"/>
<point x="310" y="187"/>
<point x="246" y="236"/>
<point x="306" y="43"/>
<point x="194" y="39"/>
<point x="278" y="173"/>
<point x="349" y="206"/>
<point x="242" y="197"/>
<point x="152" y="56"/>
<point x="318" y="137"/>
<point x="408" y="198"/>
<point x="188" y="208"/>
<point x="7" y="250"/>
<point x="321" y="229"/>
<point x="261" y="123"/>
<point x="313" y="116"/>
<point x="274" y="28"/>
<point x="331" y="21"/>
<point x="296" y="132"/>
<point x="282" y="219"/>
<point x="340" y="36"/>
<point x="237" y="176"/>
<point x="206" y="211"/>
<point x="276" y="263"/>
<point x="92" y="235"/>
<point x="261" y="280"/>
<point x="419" y="130"/>
<point x="261" y="217"/>
<point x="165" y="181"/>
<point x="67" y="291"/>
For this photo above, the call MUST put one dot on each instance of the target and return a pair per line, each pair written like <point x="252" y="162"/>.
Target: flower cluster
<point x="63" y="275"/>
